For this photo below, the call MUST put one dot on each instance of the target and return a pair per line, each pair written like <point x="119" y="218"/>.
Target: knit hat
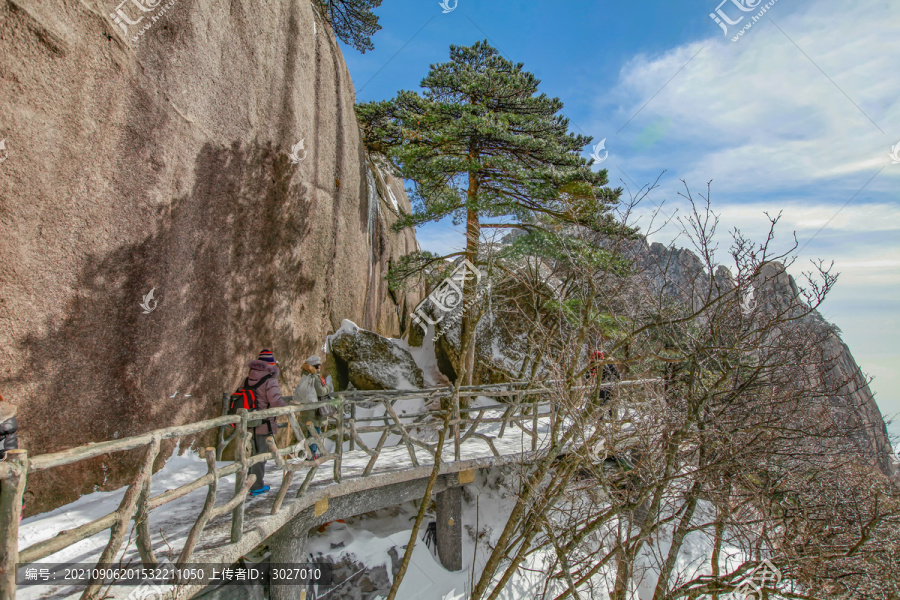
<point x="314" y="361"/>
<point x="266" y="356"/>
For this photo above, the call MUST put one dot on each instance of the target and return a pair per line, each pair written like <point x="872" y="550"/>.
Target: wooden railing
<point x="520" y="409"/>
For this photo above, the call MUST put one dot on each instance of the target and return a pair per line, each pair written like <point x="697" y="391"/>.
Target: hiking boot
<point x="261" y="490"/>
<point x="314" y="456"/>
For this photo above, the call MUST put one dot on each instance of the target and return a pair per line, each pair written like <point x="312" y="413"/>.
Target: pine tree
<point x="483" y="143"/>
<point x="353" y="21"/>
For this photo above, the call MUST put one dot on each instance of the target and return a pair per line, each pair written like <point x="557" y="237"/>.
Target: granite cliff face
<point x="852" y="407"/>
<point x="209" y="153"/>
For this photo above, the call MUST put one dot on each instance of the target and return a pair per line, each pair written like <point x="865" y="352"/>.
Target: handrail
<point x="92" y="450"/>
<point x="137" y="502"/>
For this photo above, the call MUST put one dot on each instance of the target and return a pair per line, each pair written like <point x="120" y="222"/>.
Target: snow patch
<point x="425" y="359"/>
<point x="174" y="520"/>
<point x="394" y="202"/>
<point x="347" y="326"/>
<point x="368" y="538"/>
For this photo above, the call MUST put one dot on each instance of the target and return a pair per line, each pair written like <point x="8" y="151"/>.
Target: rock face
<point x="680" y="274"/>
<point x="371" y="362"/>
<point x="852" y="405"/>
<point x="387" y="310"/>
<point x="209" y="154"/>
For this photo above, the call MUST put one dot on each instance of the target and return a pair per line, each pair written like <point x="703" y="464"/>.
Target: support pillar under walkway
<point x="449" y="528"/>
<point x="288" y="546"/>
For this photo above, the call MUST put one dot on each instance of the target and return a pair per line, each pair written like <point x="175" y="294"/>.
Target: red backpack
<point x="245" y="397"/>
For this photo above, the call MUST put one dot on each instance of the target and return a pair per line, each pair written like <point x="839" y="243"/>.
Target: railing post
<point x="237" y="515"/>
<point x="188" y="549"/>
<point x="552" y="415"/>
<point x="456" y="419"/>
<point x="220" y="446"/>
<point x="352" y="419"/>
<point x="339" y="440"/>
<point x="12" y="488"/>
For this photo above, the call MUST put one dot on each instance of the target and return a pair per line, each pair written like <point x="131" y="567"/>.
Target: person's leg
<point x="259" y="469"/>
<point x="602" y="397"/>
<point x="596" y="393"/>
<point x="313" y="447"/>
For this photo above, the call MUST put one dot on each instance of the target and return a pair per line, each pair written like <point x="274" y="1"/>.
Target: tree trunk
<point x="662" y="581"/>
<point x="517" y="515"/>
<point x="420" y="516"/>
<point x="624" y="563"/>
<point x="467" y="334"/>
<point x="723" y="514"/>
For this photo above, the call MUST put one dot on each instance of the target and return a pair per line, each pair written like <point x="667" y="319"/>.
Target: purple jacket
<point x="269" y="394"/>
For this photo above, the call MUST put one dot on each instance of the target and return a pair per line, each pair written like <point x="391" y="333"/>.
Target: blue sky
<point x="799" y="115"/>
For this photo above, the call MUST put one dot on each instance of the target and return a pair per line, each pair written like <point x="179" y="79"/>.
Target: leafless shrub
<point x="733" y="456"/>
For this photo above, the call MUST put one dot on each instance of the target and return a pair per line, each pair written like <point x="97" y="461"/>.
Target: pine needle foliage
<point x="481" y="142"/>
<point x="353" y="21"/>
<point x="484" y="146"/>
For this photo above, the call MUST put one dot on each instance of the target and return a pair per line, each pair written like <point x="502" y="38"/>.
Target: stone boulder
<point x="501" y="337"/>
<point x="497" y="358"/>
<point x="365" y="582"/>
<point x="371" y="362"/>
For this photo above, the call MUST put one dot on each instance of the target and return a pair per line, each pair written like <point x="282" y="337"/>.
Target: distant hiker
<point x="263" y="377"/>
<point x="311" y="389"/>
<point x="608" y="374"/>
<point x="609" y="371"/>
<point x="592" y="372"/>
<point x="8" y="427"/>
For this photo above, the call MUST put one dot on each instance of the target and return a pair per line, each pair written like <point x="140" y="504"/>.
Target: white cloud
<point x="758" y="113"/>
<point x="796" y="215"/>
<point x="764" y="123"/>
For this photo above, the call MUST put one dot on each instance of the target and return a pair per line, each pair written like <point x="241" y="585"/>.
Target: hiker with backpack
<point x="260" y="391"/>
<point x="314" y="388"/>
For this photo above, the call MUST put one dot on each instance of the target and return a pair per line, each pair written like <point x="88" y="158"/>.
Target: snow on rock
<point x="372" y="362"/>
<point x="347" y="326"/>
<point x="393" y="200"/>
<point x="425" y="358"/>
